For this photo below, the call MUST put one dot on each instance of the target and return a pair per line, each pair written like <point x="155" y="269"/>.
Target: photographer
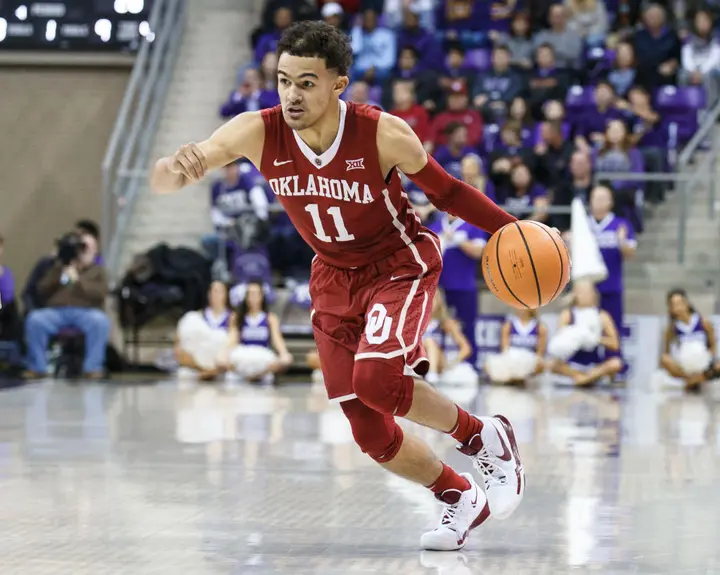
<point x="73" y="291"/>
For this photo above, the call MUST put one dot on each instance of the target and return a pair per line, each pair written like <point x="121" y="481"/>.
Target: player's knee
<point x="381" y="385"/>
<point x="376" y="434"/>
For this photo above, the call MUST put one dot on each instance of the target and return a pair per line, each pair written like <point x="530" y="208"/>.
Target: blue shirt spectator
<point x="451" y="154"/>
<point x="495" y="90"/>
<point x="422" y="39"/>
<point x="624" y="72"/>
<point x="282" y="18"/>
<point x="657" y="47"/>
<point x="374" y="47"/>
<point x="249" y="96"/>
<point x="395" y="10"/>
<point x="470" y="20"/>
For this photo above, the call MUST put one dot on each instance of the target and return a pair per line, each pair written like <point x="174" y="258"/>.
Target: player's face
<point x="679" y="306"/>
<point x="307" y="89"/>
<point x="217" y="295"/>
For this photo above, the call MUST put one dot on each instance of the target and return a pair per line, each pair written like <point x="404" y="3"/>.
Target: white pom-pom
<point x="588" y="319"/>
<point x="192" y="328"/>
<point x="461" y="374"/>
<point x="566" y="342"/>
<point x="251" y="360"/>
<point x="511" y="365"/>
<point x="202" y="342"/>
<point x="693" y="357"/>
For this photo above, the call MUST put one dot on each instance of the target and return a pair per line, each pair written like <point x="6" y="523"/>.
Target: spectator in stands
<point x="458" y="110"/>
<point x="90" y="227"/>
<point x="518" y="41"/>
<point x="359" y="92"/>
<point x="301" y="10"/>
<point x="657" y="48"/>
<point x="395" y="11"/>
<point x="589" y="19"/>
<point x="624" y="73"/>
<point x="566" y="43"/>
<point x="282" y="19"/>
<point x="547" y="81"/>
<point x="649" y="137"/>
<point x="553" y="111"/>
<point x="617" y="154"/>
<point x="509" y="152"/>
<point x="525" y="198"/>
<point x="10" y="323"/>
<point x="268" y="72"/>
<point x="496" y="89"/>
<point x="463" y="20"/>
<point x="405" y="106"/>
<point x="455" y="68"/>
<point x="333" y="14"/>
<point x="577" y="186"/>
<point x="241" y="190"/>
<point x="422" y="39"/>
<point x="472" y="173"/>
<point x="520" y="112"/>
<point x="451" y="154"/>
<point x="249" y="96"/>
<point x="701" y="57"/>
<point x="426" y="84"/>
<point x="74" y="295"/>
<point x="593" y="122"/>
<point x="553" y="154"/>
<point x="375" y="49"/>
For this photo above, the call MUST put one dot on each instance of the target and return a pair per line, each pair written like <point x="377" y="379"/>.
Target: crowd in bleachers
<point x="527" y="100"/>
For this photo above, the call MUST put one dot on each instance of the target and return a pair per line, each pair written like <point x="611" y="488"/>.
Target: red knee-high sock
<point x="449" y="479"/>
<point x="466" y="427"/>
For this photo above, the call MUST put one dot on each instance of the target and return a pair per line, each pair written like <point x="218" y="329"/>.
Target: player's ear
<point x="341" y="84"/>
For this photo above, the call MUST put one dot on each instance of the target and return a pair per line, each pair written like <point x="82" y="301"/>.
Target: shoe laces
<point x="486" y="463"/>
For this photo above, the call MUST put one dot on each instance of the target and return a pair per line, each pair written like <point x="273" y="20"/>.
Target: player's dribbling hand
<point x="190" y="162"/>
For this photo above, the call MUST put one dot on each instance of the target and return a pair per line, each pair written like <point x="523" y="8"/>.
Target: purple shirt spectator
<point x="619" y="160"/>
<point x="237" y="103"/>
<point x="424" y="42"/>
<point x="451" y="159"/>
<point x="594" y="120"/>
<point x="242" y="190"/>
<point x="459" y="270"/>
<point x="7" y="285"/>
<point x="282" y="18"/>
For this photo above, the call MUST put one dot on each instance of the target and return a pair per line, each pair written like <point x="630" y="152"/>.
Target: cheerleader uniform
<point x="693" y="330"/>
<point x="583" y="359"/>
<point x="524" y="336"/>
<point x="217" y="322"/>
<point x="255" y="330"/>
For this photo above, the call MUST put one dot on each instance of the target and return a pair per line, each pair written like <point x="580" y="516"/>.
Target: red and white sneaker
<point x="462" y="512"/>
<point x="494" y="453"/>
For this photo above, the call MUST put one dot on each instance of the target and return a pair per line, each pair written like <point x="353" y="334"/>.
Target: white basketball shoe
<point x="462" y="512"/>
<point x="494" y="454"/>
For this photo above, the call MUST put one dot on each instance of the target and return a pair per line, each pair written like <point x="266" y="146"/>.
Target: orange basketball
<point x="526" y="264"/>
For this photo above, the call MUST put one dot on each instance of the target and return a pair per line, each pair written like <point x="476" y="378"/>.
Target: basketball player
<point x="334" y="167"/>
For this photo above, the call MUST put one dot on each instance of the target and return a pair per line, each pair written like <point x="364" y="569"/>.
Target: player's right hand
<point x="190" y="162"/>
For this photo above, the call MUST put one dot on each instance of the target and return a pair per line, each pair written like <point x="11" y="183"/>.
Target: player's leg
<point x="398" y="314"/>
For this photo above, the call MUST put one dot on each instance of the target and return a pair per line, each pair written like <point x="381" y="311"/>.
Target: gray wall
<point x="54" y="127"/>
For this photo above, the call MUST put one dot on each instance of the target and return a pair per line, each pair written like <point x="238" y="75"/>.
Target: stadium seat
<point x="480" y="59"/>
<point x="680" y="107"/>
<point x="577" y="100"/>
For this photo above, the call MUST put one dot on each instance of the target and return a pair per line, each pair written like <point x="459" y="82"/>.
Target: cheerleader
<point x="523" y="341"/>
<point x="689" y="343"/>
<point x="253" y="335"/>
<point x="441" y="325"/>
<point x="201" y="339"/>
<point x="586" y="344"/>
<point x="462" y="246"/>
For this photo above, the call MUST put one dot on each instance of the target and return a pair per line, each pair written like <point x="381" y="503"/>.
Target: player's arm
<point x="241" y="137"/>
<point x="610" y="339"/>
<point x="399" y="147"/>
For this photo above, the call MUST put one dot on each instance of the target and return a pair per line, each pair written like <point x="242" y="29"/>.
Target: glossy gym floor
<point x="188" y="479"/>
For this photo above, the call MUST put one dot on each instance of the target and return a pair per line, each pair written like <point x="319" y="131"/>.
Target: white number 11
<point x="343" y="235"/>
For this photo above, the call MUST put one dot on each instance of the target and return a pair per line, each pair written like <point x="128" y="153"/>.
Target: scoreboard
<point x="74" y="25"/>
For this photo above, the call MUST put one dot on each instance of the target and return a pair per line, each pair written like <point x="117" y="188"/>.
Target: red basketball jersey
<point x="339" y="200"/>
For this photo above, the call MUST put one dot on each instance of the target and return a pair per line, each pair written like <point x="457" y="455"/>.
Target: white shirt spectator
<point x="699" y="56"/>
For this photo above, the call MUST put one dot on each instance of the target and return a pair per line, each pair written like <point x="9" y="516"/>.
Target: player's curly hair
<point x="317" y="39"/>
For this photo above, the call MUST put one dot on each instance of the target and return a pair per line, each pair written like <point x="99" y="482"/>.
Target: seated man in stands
<point x="10" y="325"/>
<point x="73" y="292"/>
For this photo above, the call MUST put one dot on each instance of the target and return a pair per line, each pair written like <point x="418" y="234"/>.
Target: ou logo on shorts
<point x="377" y="327"/>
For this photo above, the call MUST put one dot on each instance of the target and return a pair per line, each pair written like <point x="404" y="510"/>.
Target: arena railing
<point x="136" y="124"/>
<point x="685" y="178"/>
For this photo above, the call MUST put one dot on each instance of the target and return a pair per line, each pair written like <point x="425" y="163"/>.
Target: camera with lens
<point x="69" y="247"/>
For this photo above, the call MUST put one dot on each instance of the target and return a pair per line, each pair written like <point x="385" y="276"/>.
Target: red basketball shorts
<point x="378" y="311"/>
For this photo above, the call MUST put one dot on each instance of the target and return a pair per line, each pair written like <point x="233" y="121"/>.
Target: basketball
<point x="526" y="264"/>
